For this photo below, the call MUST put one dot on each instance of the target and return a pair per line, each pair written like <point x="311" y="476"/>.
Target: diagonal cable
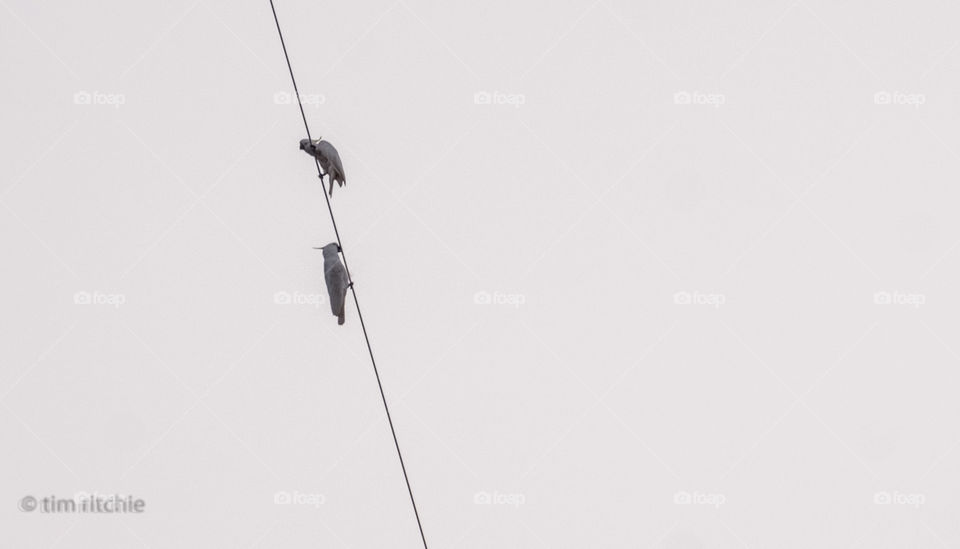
<point x="353" y="291"/>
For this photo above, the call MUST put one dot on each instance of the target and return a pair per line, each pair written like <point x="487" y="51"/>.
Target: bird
<point x="337" y="280"/>
<point x="329" y="160"/>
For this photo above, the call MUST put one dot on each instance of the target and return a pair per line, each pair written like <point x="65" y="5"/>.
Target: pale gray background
<point x="596" y="401"/>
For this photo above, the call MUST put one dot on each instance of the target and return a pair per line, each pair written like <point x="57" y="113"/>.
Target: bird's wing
<point x="337" y="283"/>
<point x="331" y="154"/>
<point x="333" y="283"/>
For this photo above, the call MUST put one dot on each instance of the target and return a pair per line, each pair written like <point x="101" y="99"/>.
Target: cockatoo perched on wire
<point x="335" y="274"/>
<point x="329" y="160"/>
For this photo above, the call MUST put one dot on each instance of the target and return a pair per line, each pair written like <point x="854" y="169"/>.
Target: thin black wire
<point x="356" y="302"/>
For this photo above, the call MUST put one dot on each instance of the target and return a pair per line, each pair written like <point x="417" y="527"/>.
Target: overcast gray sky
<point x="637" y="274"/>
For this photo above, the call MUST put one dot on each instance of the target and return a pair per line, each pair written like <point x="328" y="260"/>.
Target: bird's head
<point x="304" y="143"/>
<point x="331" y="248"/>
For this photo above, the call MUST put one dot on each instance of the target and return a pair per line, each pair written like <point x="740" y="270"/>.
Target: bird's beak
<point x="318" y="248"/>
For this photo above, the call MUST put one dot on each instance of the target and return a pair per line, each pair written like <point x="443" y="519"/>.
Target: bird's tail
<point x="341" y="318"/>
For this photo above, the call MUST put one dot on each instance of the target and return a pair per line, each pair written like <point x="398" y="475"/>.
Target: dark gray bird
<point x="329" y="160"/>
<point x="337" y="281"/>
